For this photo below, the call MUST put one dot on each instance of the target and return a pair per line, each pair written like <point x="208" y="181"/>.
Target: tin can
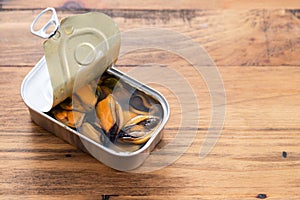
<point x="123" y="144"/>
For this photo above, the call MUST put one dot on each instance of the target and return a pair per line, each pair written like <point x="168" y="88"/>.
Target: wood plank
<point x="248" y="38"/>
<point x="151" y="4"/>
<point x="256" y="4"/>
<point x="230" y="171"/>
<point x="261" y="122"/>
<point x="258" y="151"/>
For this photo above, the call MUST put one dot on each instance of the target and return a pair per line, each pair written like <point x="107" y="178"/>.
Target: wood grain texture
<point x="247" y="38"/>
<point x="256" y="51"/>
<point x="151" y="4"/>
<point x="260" y="124"/>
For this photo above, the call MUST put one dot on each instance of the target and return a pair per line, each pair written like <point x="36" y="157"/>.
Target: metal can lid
<point x="80" y="48"/>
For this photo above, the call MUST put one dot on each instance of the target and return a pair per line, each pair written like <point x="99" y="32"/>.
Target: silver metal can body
<point x="122" y="161"/>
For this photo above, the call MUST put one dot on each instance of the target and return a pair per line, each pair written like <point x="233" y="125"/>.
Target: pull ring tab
<point x="52" y="22"/>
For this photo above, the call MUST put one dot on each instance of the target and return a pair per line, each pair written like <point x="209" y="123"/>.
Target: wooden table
<point x="256" y="47"/>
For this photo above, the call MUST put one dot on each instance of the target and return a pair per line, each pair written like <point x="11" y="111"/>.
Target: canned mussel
<point x="112" y="113"/>
<point x="75" y="92"/>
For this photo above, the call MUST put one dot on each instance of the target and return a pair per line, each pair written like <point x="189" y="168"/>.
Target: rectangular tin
<point x="122" y="161"/>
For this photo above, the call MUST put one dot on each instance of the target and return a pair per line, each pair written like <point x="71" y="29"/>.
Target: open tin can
<point x="75" y="92"/>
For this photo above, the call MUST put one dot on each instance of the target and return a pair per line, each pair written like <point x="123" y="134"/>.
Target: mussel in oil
<point x="88" y="130"/>
<point x="139" y="129"/>
<point x="110" y="116"/>
<point x="72" y="119"/>
<point x="140" y="104"/>
<point x="128" y="115"/>
<point x="94" y="132"/>
<point x="86" y="98"/>
<point x="109" y="113"/>
<point x="67" y="104"/>
<point x="110" y="82"/>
